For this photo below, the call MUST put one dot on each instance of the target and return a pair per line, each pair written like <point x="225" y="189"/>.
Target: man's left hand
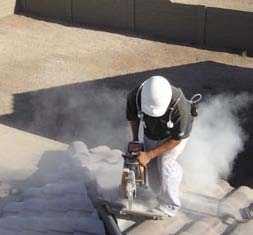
<point x="144" y="159"/>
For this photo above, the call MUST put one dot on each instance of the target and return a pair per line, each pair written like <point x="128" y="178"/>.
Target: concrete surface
<point x="194" y="219"/>
<point x="7" y="7"/>
<point x="21" y="152"/>
<point x="53" y="197"/>
<point x="33" y="58"/>
<point x="245" y="229"/>
<point x="239" y="5"/>
<point x="241" y="198"/>
<point x="56" y="198"/>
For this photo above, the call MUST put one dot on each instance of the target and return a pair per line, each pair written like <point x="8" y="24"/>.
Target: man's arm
<point x="162" y="148"/>
<point x="134" y="129"/>
<point x="145" y="157"/>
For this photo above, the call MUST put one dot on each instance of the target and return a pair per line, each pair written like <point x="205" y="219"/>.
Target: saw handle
<point x="135" y="147"/>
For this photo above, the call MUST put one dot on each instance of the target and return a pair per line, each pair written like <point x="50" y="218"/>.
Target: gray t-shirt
<point x="156" y="128"/>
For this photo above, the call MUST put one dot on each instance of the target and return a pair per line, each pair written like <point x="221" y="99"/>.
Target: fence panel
<point x="229" y="29"/>
<point x="54" y="9"/>
<point x="175" y="22"/>
<point x="106" y="13"/>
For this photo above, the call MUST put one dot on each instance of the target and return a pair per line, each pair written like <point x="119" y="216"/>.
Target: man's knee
<point x="172" y="171"/>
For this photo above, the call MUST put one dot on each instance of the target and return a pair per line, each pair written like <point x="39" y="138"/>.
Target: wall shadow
<point x="94" y="111"/>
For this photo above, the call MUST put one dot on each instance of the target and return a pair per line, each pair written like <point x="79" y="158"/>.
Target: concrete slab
<point x="21" y="152"/>
<point x="245" y="229"/>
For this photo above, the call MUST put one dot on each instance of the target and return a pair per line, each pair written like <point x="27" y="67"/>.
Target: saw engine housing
<point x="134" y="175"/>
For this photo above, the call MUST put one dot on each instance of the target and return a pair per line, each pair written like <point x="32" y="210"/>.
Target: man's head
<point x="156" y="95"/>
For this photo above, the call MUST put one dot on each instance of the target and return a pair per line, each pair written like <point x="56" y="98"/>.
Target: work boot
<point x="165" y="210"/>
<point x="169" y="210"/>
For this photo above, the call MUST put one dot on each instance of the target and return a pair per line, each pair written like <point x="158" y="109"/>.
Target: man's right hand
<point x="144" y="159"/>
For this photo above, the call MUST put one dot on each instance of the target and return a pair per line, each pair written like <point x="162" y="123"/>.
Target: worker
<point x="161" y="117"/>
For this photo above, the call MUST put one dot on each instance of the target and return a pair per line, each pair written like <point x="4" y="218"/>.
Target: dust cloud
<point x="216" y="140"/>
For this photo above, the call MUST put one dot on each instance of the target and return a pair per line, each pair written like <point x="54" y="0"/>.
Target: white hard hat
<point x="156" y="95"/>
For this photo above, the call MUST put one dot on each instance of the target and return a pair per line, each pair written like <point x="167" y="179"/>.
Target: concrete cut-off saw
<point x="133" y="183"/>
<point x="134" y="174"/>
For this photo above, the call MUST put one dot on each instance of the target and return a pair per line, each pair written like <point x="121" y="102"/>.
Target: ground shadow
<point x="94" y="111"/>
